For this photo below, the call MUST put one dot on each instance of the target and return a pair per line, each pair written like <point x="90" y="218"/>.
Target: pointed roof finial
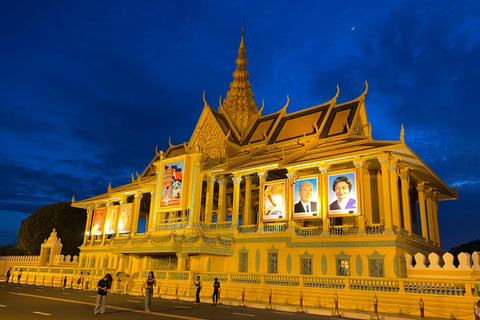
<point x="239" y="103"/>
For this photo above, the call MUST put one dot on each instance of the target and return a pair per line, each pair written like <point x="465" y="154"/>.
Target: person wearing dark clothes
<point x="149" y="283"/>
<point x="198" y="284"/>
<point x="216" y="288"/>
<point x="103" y="286"/>
<point x="64" y="282"/>
<point x="8" y="274"/>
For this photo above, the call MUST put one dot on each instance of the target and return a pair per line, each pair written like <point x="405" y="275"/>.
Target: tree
<point x="10" y="250"/>
<point x="69" y="222"/>
<point x="469" y="247"/>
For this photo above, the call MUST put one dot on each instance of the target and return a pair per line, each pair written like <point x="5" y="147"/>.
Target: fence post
<point x="269" y="307"/>
<point x="300" y="310"/>
<point x="176" y="292"/>
<point x="475" y="307"/>
<point x="242" y="304"/>
<point x="336" y="314"/>
<point x="375" y="308"/>
<point x="422" y="310"/>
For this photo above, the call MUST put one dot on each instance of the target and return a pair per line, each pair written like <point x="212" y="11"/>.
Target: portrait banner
<point x="172" y="184"/>
<point x="343" y="194"/>
<point x="125" y="218"/>
<point x="111" y="220"/>
<point x="274" y="198"/>
<point x="97" y="221"/>
<point x="305" y="198"/>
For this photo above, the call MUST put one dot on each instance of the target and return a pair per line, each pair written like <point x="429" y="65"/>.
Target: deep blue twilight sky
<point x="89" y="88"/>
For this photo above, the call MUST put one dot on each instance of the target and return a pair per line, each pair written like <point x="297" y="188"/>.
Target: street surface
<point x="25" y="302"/>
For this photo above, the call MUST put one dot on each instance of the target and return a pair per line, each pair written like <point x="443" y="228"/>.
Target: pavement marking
<point x="227" y="307"/>
<point x="65" y="292"/>
<point x="42" y="313"/>
<point x="108" y="306"/>
<point x="93" y="296"/>
<point x="135" y="301"/>
<point x="2" y="306"/>
<point x="39" y="290"/>
<point x="18" y="287"/>
<point x="283" y="313"/>
<point x="183" y="307"/>
<point x="244" y="314"/>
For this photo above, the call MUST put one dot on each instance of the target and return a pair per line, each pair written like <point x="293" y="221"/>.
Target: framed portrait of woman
<point x="343" y="197"/>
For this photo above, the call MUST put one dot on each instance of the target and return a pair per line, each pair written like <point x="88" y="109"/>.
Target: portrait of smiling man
<point x="307" y="195"/>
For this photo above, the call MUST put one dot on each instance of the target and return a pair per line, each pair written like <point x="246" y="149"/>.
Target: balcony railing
<point x="308" y="232"/>
<point x="344" y="230"/>
<point x="248" y="229"/>
<point x="275" y="227"/>
<point x="375" y="228"/>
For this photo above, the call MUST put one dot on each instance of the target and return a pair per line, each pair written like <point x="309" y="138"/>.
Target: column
<point x="359" y="164"/>
<point x="209" y="199"/>
<point x="196" y="188"/>
<point x="367" y="197"/>
<point x="182" y="260"/>
<point x="247" y="213"/>
<point x="291" y="175"/>
<point x="88" y="224"/>
<point x="387" y="212"/>
<point x="395" y="203"/>
<point x="262" y="179"/>
<point x="102" y="230"/>
<point x="381" y="204"/>
<point x="405" y="178"/>
<point x="136" y="213"/>
<point x="122" y="201"/>
<point x="324" y="199"/>
<point x="222" y="200"/>
<point x="431" y="229"/>
<point x="151" y="222"/>
<point x="236" y="200"/>
<point x="423" y="214"/>
<point x="435" y="218"/>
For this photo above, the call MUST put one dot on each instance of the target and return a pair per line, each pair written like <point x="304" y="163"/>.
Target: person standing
<point x="8" y="273"/>
<point x="198" y="284"/>
<point x="149" y="284"/>
<point x="80" y="280"/>
<point x="102" y="286"/>
<point x="87" y="279"/>
<point x="216" y="288"/>
<point x="19" y="274"/>
<point x="64" y="282"/>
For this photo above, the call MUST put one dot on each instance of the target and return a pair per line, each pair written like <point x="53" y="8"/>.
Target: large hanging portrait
<point x="172" y="183"/>
<point x="343" y="194"/>
<point x="274" y="198"/>
<point x="305" y="198"/>
<point x="125" y="218"/>
<point x="110" y="226"/>
<point x="97" y="221"/>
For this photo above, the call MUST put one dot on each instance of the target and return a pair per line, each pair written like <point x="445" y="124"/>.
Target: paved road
<point x="25" y="302"/>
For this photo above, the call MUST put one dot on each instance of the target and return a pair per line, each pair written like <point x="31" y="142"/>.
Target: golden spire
<point x="239" y="103"/>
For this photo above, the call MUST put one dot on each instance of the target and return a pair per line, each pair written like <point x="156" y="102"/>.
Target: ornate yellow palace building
<point x="291" y="201"/>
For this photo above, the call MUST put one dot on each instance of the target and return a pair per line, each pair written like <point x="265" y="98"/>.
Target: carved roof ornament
<point x="239" y="105"/>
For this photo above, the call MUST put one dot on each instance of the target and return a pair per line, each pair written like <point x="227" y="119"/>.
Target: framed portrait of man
<point x="343" y="194"/>
<point x="273" y="201"/>
<point x="171" y="183"/>
<point x="305" y="198"/>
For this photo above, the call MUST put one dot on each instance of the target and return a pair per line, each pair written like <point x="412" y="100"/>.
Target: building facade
<point x="261" y="199"/>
